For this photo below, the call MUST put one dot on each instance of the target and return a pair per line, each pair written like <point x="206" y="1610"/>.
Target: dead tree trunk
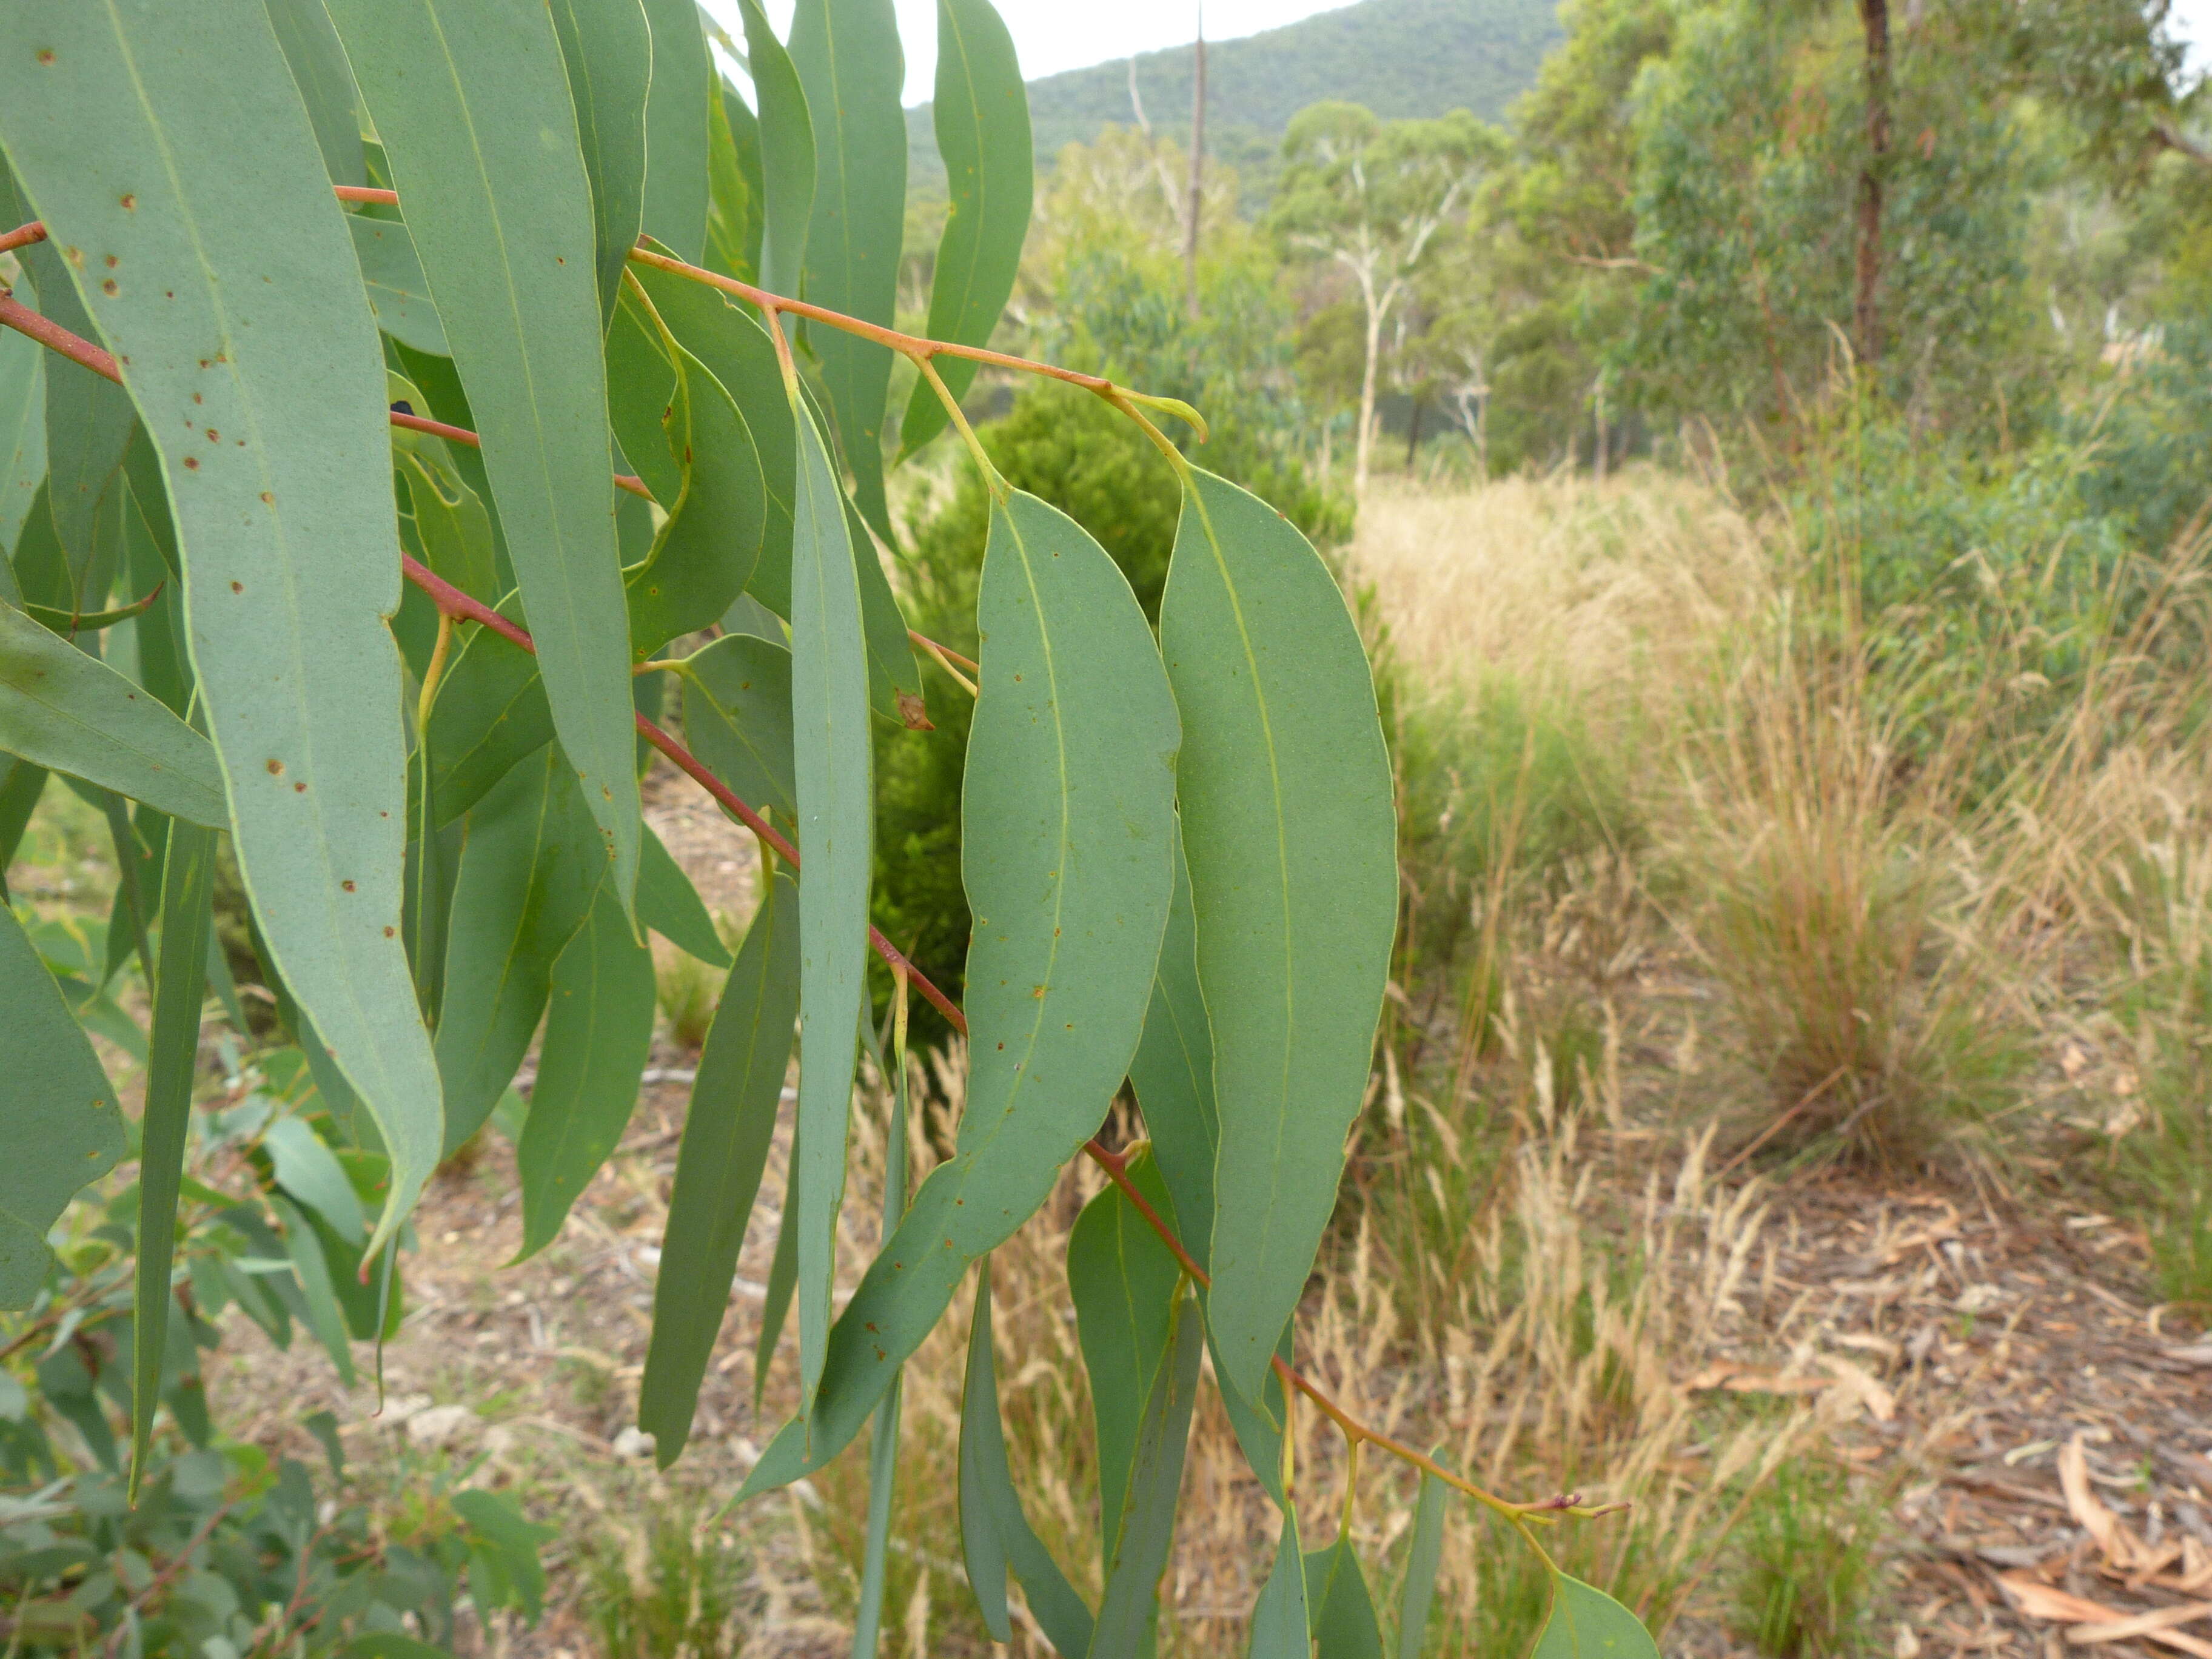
<point x="1866" y="309"/>
<point x="1197" y="170"/>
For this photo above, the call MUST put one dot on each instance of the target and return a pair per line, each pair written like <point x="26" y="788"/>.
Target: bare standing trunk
<point x="1866" y="315"/>
<point x="1197" y="169"/>
<point x="1367" y="398"/>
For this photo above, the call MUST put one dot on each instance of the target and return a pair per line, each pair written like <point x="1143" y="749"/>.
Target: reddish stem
<point x="23" y="236"/>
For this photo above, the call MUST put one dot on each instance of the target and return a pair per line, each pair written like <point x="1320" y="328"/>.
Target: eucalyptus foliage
<point x="492" y="359"/>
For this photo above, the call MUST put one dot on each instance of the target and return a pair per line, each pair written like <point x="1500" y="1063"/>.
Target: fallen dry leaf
<point x="2141" y="1623"/>
<point x="2121" y="1549"/>
<point x="2041" y="1601"/>
<point x="1880" y="1402"/>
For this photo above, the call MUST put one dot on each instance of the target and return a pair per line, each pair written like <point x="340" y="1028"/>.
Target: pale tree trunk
<point x="1197" y="170"/>
<point x="1367" y="394"/>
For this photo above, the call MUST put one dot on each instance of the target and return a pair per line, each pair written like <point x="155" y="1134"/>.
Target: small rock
<point x="441" y="1425"/>
<point x="633" y="1442"/>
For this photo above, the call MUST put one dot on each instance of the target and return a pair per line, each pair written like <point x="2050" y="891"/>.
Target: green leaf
<point x="503" y="1547"/>
<point x="22" y="440"/>
<point x="669" y="904"/>
<point x="894" y="677"/>
<point x="734" y="188"/>
<point x="782" y="1281"/>
<point x="884" y="1436"/>
<point x="311" y="1174"/>
<point x="319" y="68"/>
<point x="472" y="102"/>
<point x="451" y="522"/>
<point x="1069" y="815"/>
<point x="526" y="882"/>
<point x="834" y="774"/>
<point x="72" y="713"/>
<point x="1129" y="1616"/>
<point x="641" y="382"/>
<point x="995" y="1533"/>
<point x="675" y="129"/>
<point x="982" y="114"/>
<point x="173" y="1060"/>
<point x="1173" y="1073"/>
<point x="598" y="1031"/>
<point x="263" y="387"/>
<point x="787" y="139"/>
<point x="1288" y="826"/>
<point x="1122" y="1280"/>
<point x="726" y="1135"/>
<point x="398" y="293"/>
<point x="607" y="46"/>
<point x="489" y="715"/>
<point x="1343" y="1612"/>
<point x="1280" y="1622"/>
<point x="848" y="59"/>
<point x="1586" y="1623"/>
<point x="22" y="783"/>
<point x="736" y="717"/>
<point x="1425" y="1554"/>
<point x="325" y="1317"/>
<point x="89" y="417"/>
<point x="1258" y="1425"/>
<point x="708" y="547"/>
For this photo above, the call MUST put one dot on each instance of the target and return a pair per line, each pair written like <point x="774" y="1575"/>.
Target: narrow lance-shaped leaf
<point x="318" y="67"/>
<point x="834" y="777"/>
<point x="786" y="137"/>
<point x="65" y="1128"/>
<point x="676" y="129"/>
<point x="490" y="713"/>
<point x="472" y="102"/>
<point x="72" y="713"/>
<point x="607" y="46"/>
<point x="1423" y="1557"/>
<point x="1129" y="1616"/>
<point x="234" y="307"/>
<point x="1287" y="822"/>
<point x="22" y="440"/>
<point x="983" y="115"/>
<point x="326" y="1318"/>
<point x="1066" y="859"/>
<point x="598" y="1031"/>
<point x="1344" y="1625"/>
<point x="1281" y="1621"/>
<point x="669" y="904"/>
<point x="849" y="61"/>
<point x="884" y="1439"/>
<point x="89" y="417"/>
<point x="995" y="1533"/>
<point x="737" y="716"/>
<point x="1173" y="1073"/>
<point x="735" y="193"/>
<point x="727" y="1135"/>
<point x="782" y="1279"/>
<point x="172" y="1056"/>
<point x="1585" y="1623"/>
<point x="398" y="293"/>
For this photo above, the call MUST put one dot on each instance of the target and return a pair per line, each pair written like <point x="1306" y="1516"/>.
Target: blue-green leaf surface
<point x="786" y="137"/>
<point x="983" y="115"/>
<point x="470" y="99"/>
<point x="835" y="777"/>
<point x="675" y="129"/>
<point x="490" y="713"/>
<point x="1282" y="1622"/>
<point x="1338" y="1602"/>
<point x="88" y="418"/>
<point x="1585" y="1623"/>
<point x="318" y="68"/>
<point x="599" y="1030"/>
<point x="65" y="1128"/>
<point x="734" y="191"/>
<point x="782" y="1283"/>
<point x="726" y="1135"/>
<point x="994" y="1535"/>
<point x="849" y="62"/>
<point x="326" y="1318"/>
<point x="607" y="46"/>
<point x="1068" y="814"/>
<point x="884" y="1436"/>
<point x="669" y="904"/>
<point x="72" y="713"/>
<point x="22" y="439"/>
<point x="1128" y="1615"/>
<point x="526" y="880"/>
<point x="1173" y="1073"/>
<point x="1288" y="826"/>
<point x="398" y="293"/>
<point x="1423" y="1557"/>
<point x="310" y="1173"/>
<point x="736" y="717"/>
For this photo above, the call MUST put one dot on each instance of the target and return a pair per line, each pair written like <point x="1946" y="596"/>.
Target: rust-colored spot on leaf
<point x="113" y="262"/>
<point x="268" y="499"/>
<point x="238" y="587"/>
<point x="192" y="463"/>
<point x="275" y="766"/>
<point x="299" y="789"/>
<point x="389" y="932"/>
<point x="47" y="56"/>
<point x="347" y="885"/>
<point x="130" y="202"/>
<point x="109" y="289"/>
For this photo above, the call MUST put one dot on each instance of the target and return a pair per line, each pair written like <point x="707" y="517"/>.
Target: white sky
<point x="1052" y="35"/>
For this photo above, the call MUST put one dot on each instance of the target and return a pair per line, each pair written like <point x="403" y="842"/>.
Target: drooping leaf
<point x="834" y="776"/>
<point x="1128" y="1615"/>
<point x="504" y="1569"/>
<point x="325" y="1317"/>
<point x="22" y="783"/>
<point x="669" y="904"/>
<point x="450" y="521"/>
<point x="22" y="440"/>
<point x="65" y="1128"/>
<point x="72" y="713"/>
<point x="1122" y="1280"/>
<point x="472" y="103"/>
<point x="675" y="129"/>
<point x="726" y="1135"/>
<point x="1280" y="1620"/>
<point x="894" y="677"/>
<point x="995" y="1533"/>
<point x="983" y="115"/>
<point x="599" y="1030"/>
<point x="736" y="717"/>
<point x="1585" y="1623"/>
<point x="1068" y="818"/>
<point x="787" y="140"/>
<point x="884" y="1436"/>
<point x="607" y="46"/>
<point x="850" y="63"/>
<point x="1287" y="824"/>
<point x="311" y="1174"/>
<point x="782" y="1282"/>
<point x="735" y="187"/>
<point x="172" y="1059"/>
<point x="1338" y="1602"/>
<point x="398" y="293"/>
<point x="88" y="418"/>
<point x="318" y="68"/>
<point x="1423" y="1557"/>
<point x="526" y="880"/>
<point x="230" y="297"/>
<point x="435" y="378"/>
<point x="1173" y="1074"/>
<point x="489" y="715"/>
<point x="1258" y="1423"/>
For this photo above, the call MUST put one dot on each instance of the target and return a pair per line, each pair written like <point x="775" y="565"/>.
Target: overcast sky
<point x="1052" y="35"/>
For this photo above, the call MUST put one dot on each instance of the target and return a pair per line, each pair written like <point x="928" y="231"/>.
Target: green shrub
<point x="1808" y="1586"/>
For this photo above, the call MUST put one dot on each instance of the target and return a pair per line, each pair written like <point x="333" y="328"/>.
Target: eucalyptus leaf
<point x="398" y="293"/>
<point x="675" y="129"/>
<point x="1282" y="1621"/>
<point x="1423" y="1557"/>
<point x="1339" y="1605"/>
<point x="318" y="67"/>
<point x="736" y="717"/>
<point x="1585" y="1623"/>
<point x="787" y="139"/>
<point x="1129" y="1616"/>
<point x="22" y="441"/>
<point x="607" y="46"/>
<point x="669" y="904"/>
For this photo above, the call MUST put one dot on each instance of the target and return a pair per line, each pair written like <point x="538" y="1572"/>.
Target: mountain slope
<point x="1400" y="58"/>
